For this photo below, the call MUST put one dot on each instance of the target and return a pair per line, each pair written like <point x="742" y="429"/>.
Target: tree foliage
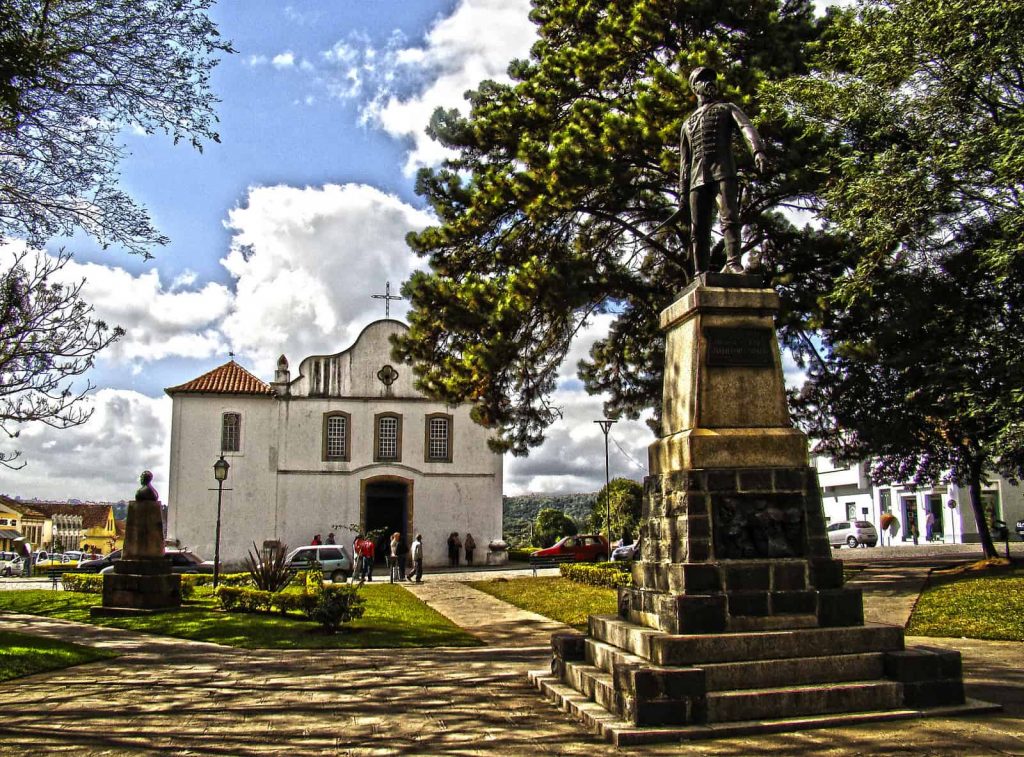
<point x="552" y="525"/>
<point x="923" y="337"/>
<point x="48" y="338"/>
<point x="548" y="214"/>
<point x="625" y="496"/>
<point x="73" y="73"/>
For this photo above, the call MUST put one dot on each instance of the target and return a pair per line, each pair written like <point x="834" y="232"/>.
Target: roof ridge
<point x="229" y="378"/>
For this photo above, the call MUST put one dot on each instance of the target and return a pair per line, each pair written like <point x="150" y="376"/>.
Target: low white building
<point x="847" y="494"/>
<point x="348" y="441"/>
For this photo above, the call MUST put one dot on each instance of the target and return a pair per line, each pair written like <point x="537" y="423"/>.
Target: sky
<point x="281" y="233"/>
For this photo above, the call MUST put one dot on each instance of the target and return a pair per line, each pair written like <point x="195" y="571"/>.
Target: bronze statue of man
<point x="707" y="169"/>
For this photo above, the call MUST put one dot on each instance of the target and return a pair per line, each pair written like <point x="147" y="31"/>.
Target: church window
<point x="336" y="442"/>
<point x="231" y="432"/>
<point x="438" y="438"/>
<point x="388" y="441"/>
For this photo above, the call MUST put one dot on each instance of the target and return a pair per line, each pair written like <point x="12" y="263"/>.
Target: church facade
<point x="348" y="443"/>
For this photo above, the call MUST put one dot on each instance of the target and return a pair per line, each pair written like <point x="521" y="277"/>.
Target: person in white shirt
<point x="417" y="559"/>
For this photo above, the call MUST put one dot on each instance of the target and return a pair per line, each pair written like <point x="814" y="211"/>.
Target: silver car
<point x="852" y="533"/>
<point x="10" y="564"/>
<point x="332" y="558"/>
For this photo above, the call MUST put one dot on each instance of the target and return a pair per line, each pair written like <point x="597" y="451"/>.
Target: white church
<point x="349" y="440"/>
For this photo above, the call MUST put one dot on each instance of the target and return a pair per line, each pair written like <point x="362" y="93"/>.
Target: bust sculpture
<point x="707" y="170"/>
<point x="146" y="492"/>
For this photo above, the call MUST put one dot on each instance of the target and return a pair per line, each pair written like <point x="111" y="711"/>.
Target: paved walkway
<point x="168" y="696"/>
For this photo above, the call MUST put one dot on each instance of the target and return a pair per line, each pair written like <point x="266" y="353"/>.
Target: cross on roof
<point x="387" y="297"/>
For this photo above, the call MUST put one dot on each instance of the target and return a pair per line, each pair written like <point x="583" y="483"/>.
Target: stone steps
<point x="622" y="733"/>
<point x="759" y="673"/>
<point x="665" y="649"/>
<point x="796" y="701"/>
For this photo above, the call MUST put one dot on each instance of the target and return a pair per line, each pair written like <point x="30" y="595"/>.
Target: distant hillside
<point x="521" y="511"/>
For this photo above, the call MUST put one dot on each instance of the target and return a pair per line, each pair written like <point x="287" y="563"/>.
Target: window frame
<point x="449" y="453"/>
<point x="377" y="418"/>
<point x="238" y="431"/>
<point x="347" y="455"/>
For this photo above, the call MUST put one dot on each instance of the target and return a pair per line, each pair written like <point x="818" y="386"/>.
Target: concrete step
<point x="667" y="649"/>
<point x="593" y="683"/>
<point x="794" y="701"/>
<point x="794" y="671"/>
<point x="724" y="676"/>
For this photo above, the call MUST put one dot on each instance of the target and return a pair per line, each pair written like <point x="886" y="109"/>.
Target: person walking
<point x="392" y="556"/>
<point x="417" y="559"/>
<point x="316" y="541"/>
<point x="402" y="550"/>
<point x="453" y="551"/>
<point x="330" y="538"/>
<point x="469" y="545"/>
<point x="27" y="559"/>
<point x="366" y="554"/>
<point x="929" y="525"/>
<point x="914" y="532"/>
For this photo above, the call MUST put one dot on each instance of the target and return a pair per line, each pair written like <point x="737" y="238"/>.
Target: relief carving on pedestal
<point x="749" y="528"/>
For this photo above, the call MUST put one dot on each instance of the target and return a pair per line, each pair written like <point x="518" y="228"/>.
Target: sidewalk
<point x="170" y="696"/>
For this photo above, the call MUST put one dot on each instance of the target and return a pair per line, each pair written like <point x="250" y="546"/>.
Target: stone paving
<point x="168" y="696"/>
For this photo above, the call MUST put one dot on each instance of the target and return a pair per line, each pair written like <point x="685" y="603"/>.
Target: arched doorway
<point x="386" y="508"/>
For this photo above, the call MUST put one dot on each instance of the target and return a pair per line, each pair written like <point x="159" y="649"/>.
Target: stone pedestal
<point x="142" y="581"/>
<point x="737" y="613"/>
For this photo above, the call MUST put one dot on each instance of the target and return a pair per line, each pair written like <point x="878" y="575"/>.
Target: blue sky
<point x="280" y="233"/>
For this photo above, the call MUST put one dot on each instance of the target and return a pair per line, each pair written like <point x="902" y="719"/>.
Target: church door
<point x="386" y="512"/>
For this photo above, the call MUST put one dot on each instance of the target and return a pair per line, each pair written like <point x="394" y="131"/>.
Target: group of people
<point x="456" y="545"/>
<point x="397" y="555"/>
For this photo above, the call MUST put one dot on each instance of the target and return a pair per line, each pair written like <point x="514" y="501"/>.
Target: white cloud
<point x="283" y="60"/>
<point x="159" y="322"/>
<point x="255" y="60"/>
<point x="403" y="84"/>
<point x="306" y="262"/>
<point x="572" y="456"/>
<point x="100" y="460"/>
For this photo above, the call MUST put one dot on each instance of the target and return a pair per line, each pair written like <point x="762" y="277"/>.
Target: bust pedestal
<point x="142" y="581"/>
<point x="733" y="529"/>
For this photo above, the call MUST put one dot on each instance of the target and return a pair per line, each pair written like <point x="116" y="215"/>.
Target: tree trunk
<point x="974" y="486"/>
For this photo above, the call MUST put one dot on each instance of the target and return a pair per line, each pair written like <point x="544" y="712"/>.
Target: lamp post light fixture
<point x="220" y="472"/>
<point x="606" y="425"/>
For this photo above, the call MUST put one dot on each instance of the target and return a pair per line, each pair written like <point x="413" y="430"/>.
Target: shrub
<point x="271" y="574"/>
<point x="336" y="606"/>
<point x="83" y="583"/>
<point x="315" y="578"/>
<point x="610" y="575"/>
<point x="188" y="586"/>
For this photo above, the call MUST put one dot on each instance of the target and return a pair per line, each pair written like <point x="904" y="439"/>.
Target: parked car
<point x="53" y="560"/>
<point x="626" y="552"/>
<point x="1020" y="529"/>
<point x="332" y="557"/>
<point x="95" y="566"/>
<point x="182" y="561"/>
<point x="10" y="564"/>
<point x="583" y="547"/>
<point x="852" y="533"/>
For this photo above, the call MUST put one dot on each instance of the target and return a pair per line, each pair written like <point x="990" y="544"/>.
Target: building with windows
<point x="347" y="444"/>
<point x="847" y="493"/>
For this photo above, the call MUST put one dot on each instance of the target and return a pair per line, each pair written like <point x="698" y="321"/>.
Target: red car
<point x="584" y="547"/>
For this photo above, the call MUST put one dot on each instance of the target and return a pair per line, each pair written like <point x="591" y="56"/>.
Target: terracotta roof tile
<point x="230" y="378"/>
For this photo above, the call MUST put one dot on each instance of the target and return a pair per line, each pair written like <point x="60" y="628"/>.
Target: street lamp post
<point x="220" y="472"/>
<point x="606" y="425"/>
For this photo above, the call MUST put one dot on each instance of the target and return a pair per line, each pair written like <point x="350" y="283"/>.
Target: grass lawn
<point x="24" y="654"/>
<point x="556" y="598"/>
<point x="980" y="606"/>
<point x="393" y="618"/>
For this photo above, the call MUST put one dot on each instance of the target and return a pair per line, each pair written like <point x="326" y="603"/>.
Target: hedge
<point x="247" y="599"/>
<point x="92" y="583"/>
<point x="606" y="574"/>
<point x="521" y="553"/>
